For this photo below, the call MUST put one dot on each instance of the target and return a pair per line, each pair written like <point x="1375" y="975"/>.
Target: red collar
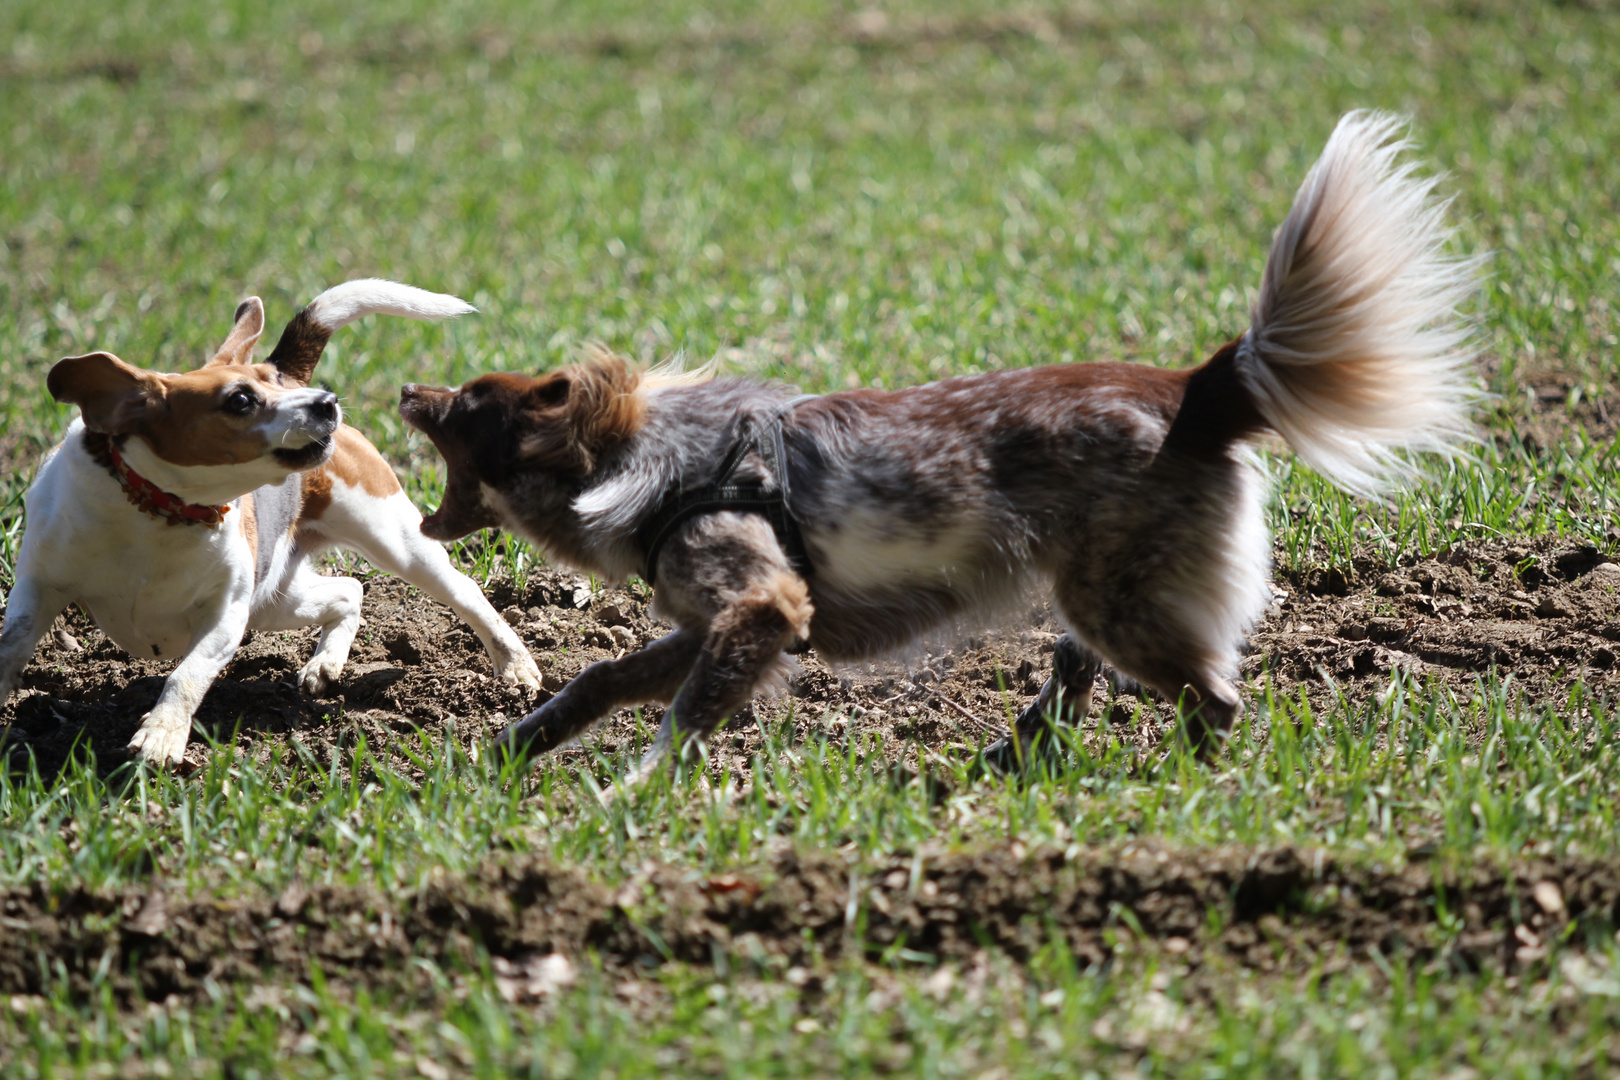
<point x="146" y="495"/>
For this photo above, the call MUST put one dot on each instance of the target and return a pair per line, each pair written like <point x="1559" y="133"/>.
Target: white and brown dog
<point x="856" y="521"/>
<point x="181" y="510"/>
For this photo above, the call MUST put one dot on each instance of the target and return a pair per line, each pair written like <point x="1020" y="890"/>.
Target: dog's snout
<point x="423" y="406"/>
<point x="325" y="408"/>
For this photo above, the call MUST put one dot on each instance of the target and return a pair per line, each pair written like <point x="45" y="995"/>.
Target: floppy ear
<point x="549" y="392"/>
<point x="238" y="348"/>
<point x="112" y="396"/>
<point x="576" y="413"/>
<point x="549" y="426"/>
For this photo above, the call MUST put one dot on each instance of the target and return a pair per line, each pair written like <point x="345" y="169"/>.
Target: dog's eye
<point x="240" y="403"/>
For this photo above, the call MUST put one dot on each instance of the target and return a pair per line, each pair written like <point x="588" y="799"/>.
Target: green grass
<point x="1491" y="776"/>
<point x="833" y="200"/>
<point x="762" y="182"/>
<point x="1059" y="1023"/>
<point x="1488" y="780"/>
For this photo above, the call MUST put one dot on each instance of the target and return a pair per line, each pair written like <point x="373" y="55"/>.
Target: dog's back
<point x="1131" y="486"/>
<point x="927" y="504"/>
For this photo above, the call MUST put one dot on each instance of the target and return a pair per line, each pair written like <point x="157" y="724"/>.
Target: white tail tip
<point x="343" y="304"/>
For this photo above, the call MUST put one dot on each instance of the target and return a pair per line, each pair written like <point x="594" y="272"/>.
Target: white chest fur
<point x="150" y="586"/>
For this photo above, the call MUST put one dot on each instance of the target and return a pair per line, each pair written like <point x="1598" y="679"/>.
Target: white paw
<point x="318" y="674"/>
<point x="519" y="669"/>
<point x="159" y="742"/>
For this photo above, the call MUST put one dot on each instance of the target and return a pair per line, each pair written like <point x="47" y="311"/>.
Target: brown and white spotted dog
<point x="181" y="510"/>
<point x="1130" y="490"/>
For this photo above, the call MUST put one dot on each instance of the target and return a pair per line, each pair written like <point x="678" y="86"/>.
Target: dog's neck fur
<point x="146" y="496"/>
<point x="679" y="444"/>
<point x="213" y="485"/>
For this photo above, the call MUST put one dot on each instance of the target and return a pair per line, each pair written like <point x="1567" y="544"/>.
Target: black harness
<point x="769" y="498"/>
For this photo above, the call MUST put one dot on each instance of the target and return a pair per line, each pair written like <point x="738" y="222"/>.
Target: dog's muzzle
<point x="317" y="420"/>
<point x="423" y="407"/>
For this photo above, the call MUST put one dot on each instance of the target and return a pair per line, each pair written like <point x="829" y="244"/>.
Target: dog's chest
<point x="150" y="586"/>
<point x="153" y="598"/>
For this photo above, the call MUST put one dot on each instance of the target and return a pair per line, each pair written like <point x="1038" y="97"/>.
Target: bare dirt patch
<point x="1545" y="611"/>
<point x="1548" y="405"/>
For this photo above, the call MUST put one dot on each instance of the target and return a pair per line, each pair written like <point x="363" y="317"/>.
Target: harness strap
<point x="769" y="498"/>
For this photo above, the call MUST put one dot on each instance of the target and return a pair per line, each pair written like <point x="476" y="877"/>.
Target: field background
<point x="834" y="197"/>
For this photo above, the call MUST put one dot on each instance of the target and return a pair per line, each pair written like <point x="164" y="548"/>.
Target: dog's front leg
<point x="29" y="613"/>
<point x="654" y="673"/>
<point x="743" y="644"/>
<point x="164" y="731"/>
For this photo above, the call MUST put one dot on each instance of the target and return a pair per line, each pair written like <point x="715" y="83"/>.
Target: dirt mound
<point x="1278" y="910"/>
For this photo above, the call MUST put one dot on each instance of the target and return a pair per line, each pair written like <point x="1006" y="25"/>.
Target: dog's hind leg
<point x="1065" y="697"/>
<point x="654" y="673"/>
<point x="1160" y="644"/>
<point x="1207" y="716"/>
<point x="307" y="598"/>
<point x="1171" y="584"/>
<point x="1150" y="651"/>
<point x="1158" y="641"/>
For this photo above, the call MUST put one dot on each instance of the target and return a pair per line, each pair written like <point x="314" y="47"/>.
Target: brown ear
<point x="112" y="396"/>
<point x="238" y="348"/>
<point x="576" y="413"/>
<point x="550" y="391"/>
<point x="551" y="425"/>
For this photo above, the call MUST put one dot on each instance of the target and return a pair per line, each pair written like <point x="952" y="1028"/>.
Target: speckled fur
<point x="1129" y="491"/>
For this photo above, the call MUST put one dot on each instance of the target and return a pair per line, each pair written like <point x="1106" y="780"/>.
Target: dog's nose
<point x="423" y="407"/>
<point x="325" y="407"/>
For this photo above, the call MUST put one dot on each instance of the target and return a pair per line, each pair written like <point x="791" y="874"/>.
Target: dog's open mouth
<point x="457" y="516"/>
<point x="440" y="526"/>
<point x="307" y="456"/>
<point x="461" y="511"/>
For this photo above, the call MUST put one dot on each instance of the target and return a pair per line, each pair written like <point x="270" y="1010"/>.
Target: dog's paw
<point x="159" y="743"/>
<point x="316" y="676"/>
<point x="541" y="732"/>
<point x="521" y="670"/>
<point x="512" y="741"/>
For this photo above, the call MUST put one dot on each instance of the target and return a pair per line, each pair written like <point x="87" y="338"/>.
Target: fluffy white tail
<point x="1357" y="353"/>
<point x="305" y="338"/>
<point x="340" y="305"/>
